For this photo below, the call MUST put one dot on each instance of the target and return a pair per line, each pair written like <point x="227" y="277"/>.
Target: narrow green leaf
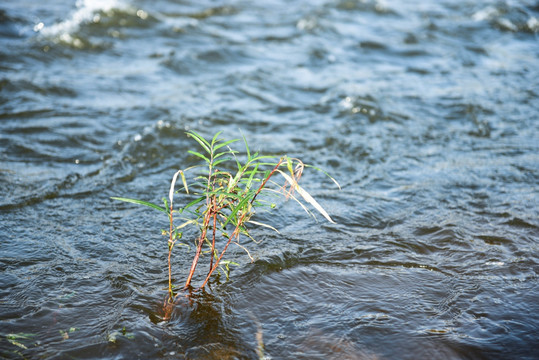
<point x="325" y="173"/>
<point x="269" y="164"/>
<point x="199" y="155"/>
<point x="20" y="336"/>
<point x="200" y="137"/>
<point x="227" y="194"/>
<point x="240" y="205"/>
<point x="184" y="182"/>
<point x="249" y="182"/>
<point x="196" y="201"/>
<point x="218" y="155"/>
<point x="257" y="158"/>
<point x="215" y="139"/>
<point x="140" y="202"/>
<point x="289" y="166"/>
<point x="233" y="153"/>
<point x="16" y="343"/>
<point x="185" y="224"/>
<point x="249" y="172"/>
<point x="215" y="163"/>
<point x="217" y="147"/>
<point x="246" y="147"/>
<point x="200" y="140"/>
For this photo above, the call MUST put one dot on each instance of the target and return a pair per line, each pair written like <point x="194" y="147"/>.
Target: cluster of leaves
<point x="224" y="194"/>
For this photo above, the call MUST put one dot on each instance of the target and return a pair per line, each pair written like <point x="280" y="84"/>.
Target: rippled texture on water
<point x="425" y="112"/>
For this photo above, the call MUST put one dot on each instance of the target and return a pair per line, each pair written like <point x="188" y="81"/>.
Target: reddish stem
<point x="170" y="245"/>
<point x="199" y="249"/>
<point x="213" y="237"/>
<point x="236" y="231"/>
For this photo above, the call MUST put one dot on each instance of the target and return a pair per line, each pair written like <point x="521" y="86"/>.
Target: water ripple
<point x="425" y="114"/>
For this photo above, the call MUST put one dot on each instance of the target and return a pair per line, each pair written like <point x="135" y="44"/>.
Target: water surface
<point x="425" y="113"/>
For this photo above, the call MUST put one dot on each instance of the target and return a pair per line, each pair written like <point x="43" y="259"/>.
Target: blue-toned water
<point x="425" y="112"/>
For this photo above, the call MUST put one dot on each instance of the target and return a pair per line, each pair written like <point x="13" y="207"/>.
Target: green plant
<point x="224" y="194"/>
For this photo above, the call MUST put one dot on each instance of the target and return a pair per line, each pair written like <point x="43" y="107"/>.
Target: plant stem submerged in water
<point x="228" y="198"/>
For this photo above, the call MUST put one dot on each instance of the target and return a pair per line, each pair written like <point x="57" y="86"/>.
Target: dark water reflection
<point x="426" y="114"/>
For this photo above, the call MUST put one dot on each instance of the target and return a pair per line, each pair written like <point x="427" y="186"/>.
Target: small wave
<point x="18" y="86"/>
<point x="86" y="12"/>
<point x="25" y="194"/>
<point x="10" y="26"/>
<point x="100" y="13"/>
<point x="508" y="18"/>
<point x="376" y="6"/>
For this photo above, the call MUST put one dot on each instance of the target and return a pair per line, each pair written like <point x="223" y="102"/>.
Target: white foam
<point x="533" y="24"/>
<point x="486" y="14"/>
<point x="86" y="12"/>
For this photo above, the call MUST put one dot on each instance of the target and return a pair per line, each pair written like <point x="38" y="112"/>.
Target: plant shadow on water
<point x="195" y="327"/>
<point x="228" y="322"/>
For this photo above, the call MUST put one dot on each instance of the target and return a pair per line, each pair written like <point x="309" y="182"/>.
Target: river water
<point x="425" y="112"/>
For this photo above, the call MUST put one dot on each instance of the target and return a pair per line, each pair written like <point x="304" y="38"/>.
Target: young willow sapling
<point x="224" y="194"/>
